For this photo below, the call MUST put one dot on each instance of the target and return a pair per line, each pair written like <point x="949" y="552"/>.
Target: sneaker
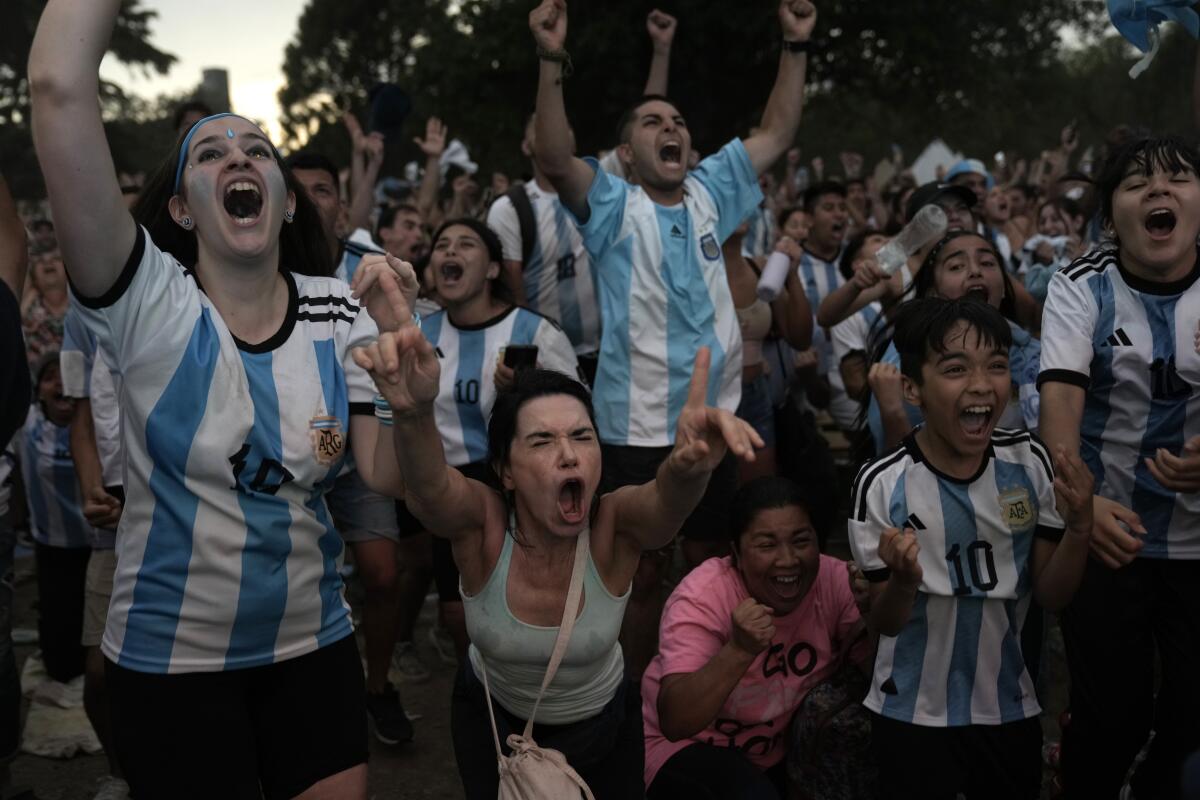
<point x="443" y="643"/>
<point x="406" y="665"/>
<point x="391" y="723"/>
<point x="112" y="788"/>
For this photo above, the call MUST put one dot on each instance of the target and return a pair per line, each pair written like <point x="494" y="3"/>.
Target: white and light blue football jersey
<point x="558" y="278"/>
<point x="468" y="358"/>
<point x="226" y="554"/>
<point x="86" y="375"/>
<point x="51" y="486"/>
<point x="1131" y="345"/>
<point x="354" y="247"/>
<point x="957" y="661"/>
<point x="855" y="334"/>
<point x="760" y="236"/>
<point x="819" y="278"/>
<point x="664" y="295"/>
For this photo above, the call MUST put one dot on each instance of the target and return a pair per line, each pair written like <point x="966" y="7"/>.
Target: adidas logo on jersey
<point x="1119" y="338"/>
<point x="914" y="522"/>
<point x="676" y="233"/>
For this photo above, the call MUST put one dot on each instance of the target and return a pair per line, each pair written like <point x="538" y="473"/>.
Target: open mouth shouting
<point x="787" y="585"/>
<point x="243" y="202"/>
<point x="451" y="272"/>
<point x="1160" y="223"/>
<point x="977" y="291"/>
<point x="671" y="154"/>
<point x="975" y="420"/>
<point x="570" y="501"/>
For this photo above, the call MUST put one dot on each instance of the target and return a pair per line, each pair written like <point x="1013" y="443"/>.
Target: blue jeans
<point x="10" y="683"/>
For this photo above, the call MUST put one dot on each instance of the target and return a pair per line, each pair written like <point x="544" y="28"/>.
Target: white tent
<point x="936" y="154"/>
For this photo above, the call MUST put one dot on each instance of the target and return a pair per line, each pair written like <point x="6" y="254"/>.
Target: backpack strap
<point x="519" y="197"/>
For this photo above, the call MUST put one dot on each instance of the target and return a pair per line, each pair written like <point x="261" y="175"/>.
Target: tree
<point x="130" y="44"/>
<point x="473" y="63"/>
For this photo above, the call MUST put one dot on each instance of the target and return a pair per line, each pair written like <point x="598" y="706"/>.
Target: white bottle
<point x="770" y="283"/>
<point x="928" y="224"/>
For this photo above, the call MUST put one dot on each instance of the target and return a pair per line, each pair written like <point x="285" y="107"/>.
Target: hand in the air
<point x="704" y="433"/>
<point x="549" y="24"/>
<point x="434" y="142"/>
<point x="661" y="27"/>
<point x="797" y="17"/>
<point x="387" y="287"/>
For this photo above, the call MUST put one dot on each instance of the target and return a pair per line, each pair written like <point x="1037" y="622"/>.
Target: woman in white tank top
<point x="515" y="551"/>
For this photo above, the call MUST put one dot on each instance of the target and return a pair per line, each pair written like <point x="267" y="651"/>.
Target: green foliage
<point x="131" y="45"/>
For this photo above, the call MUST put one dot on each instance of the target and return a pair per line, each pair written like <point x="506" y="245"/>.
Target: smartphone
<point x="519" y="356"/>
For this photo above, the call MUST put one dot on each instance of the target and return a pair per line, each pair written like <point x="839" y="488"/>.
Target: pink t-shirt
<point x="697" y="622"/>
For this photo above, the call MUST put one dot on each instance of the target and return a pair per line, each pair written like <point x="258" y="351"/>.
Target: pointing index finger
<point x="698" y="389"/>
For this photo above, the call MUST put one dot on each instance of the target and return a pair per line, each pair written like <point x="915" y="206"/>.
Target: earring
<point x="288" y="215"/>
<point x="186" y="223"/>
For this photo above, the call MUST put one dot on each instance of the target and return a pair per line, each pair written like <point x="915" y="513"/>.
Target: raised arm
<point x="432" y="146"/>
<point x="365" y="161"/>
<point x="661" y="27"/>
<point x="570" y="176"/>
<point x="781" y="119"/>
<point x="95" y="231"/>
<point x="652" y="513"/>
<point x="406" y="370"/>
<point x="14" y="251"/>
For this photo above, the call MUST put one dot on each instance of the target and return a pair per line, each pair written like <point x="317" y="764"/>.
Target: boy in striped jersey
<point x="956" y="529"/>
<point x="1120" y="383"/>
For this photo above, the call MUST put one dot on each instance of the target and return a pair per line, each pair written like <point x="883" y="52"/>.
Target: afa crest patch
<point x="1017" y="509"/>
<point x="709" y="247"/>
<point x="327" y="439"/>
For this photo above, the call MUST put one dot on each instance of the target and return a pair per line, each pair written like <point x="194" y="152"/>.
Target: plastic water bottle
<point x="770" y="283"/>
<point x="928" y="224"/>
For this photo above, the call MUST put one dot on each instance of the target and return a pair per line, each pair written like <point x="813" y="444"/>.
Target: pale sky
<point x="246" y="38"/>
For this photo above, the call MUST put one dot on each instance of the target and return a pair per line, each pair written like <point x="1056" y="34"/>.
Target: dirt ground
<point x="421" y="770"/>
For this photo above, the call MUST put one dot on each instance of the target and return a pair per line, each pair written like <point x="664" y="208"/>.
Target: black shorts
<point x="983" y="762"/>
<point x="627" y="466"/>
<point x="61" y="577"/>
<point x="445" y="571"/>
<point x="270" y="731"/>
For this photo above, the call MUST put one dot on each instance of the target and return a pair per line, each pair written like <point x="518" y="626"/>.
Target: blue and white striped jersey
<point x="226" y="555"/>
<point x="957" y="661"/>
<point x="1130" y="344"/>
<point x="820" y="277"/>
<point x="855" y="334"/>
<point x="664" y="295"/>
<point x="558" y="278"/>
<point x="51" y="486"/>
<point x="354" y="247"/>
<point x="468" y="359"/>
<point x="86" y="375"/>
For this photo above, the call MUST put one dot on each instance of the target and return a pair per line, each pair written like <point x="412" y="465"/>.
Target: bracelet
<point x="557" y="57"/>
<point x="383" y="411"/>
<point x="797" y="47"/>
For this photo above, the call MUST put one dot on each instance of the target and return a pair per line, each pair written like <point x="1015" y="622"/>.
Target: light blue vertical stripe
<point x="569" y="316"/>
<point x="1011" y="477"/>
<point x="351" y="262"/>
<point x="1151" y="501"/>
<point x="262" y="594"/>
<point x="525" y="327"/>
<point x="613" y="384"/>
<point x="30" y="468"/>
<point x="170" y="432"/>
<point x="1009" y="694"/>
<point x="533" y="270"/>
<point x="333" y="384"/>
<point x="958" y="516"/>
<point x="691" y="317"/>
<point x="1097" y="409"/>
<point x="908" y="661"/>
<point x="431" y="327"/>
<point x="471" y="348"/>
<point x="898" y="504"/>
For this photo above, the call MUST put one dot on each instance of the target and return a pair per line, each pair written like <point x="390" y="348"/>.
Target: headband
<point x="187" y="140"/>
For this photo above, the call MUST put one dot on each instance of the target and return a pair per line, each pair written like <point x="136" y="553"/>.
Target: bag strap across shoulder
<point x="570" y="611"/>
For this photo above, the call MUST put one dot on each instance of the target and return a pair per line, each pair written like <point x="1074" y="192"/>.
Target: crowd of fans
<point x="578" y="384"/>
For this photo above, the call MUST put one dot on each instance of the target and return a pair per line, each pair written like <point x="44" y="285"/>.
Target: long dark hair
<point x="303" y="247"/>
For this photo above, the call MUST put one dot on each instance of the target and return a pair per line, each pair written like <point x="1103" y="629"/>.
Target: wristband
<point x="557" y="57"/>
<point x="797" y="47"/>
<point x="383" y="411"/>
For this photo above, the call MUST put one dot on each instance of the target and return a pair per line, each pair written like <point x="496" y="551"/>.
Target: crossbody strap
<point x="570" y="610"/>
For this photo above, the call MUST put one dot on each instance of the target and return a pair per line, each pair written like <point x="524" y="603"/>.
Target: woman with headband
<point x="230" y="651"/>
